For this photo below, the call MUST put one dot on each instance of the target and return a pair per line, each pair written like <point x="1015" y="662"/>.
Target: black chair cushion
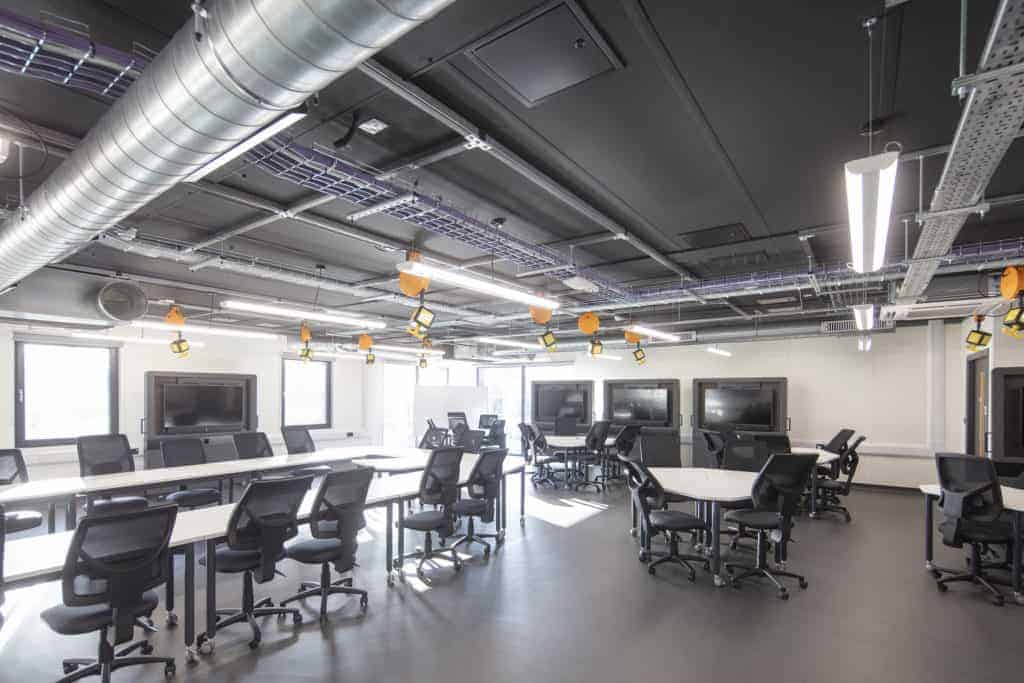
<point x="194" y="498"/>
<point x="428" y="520"/>
<point x="755" y="519"/>
<point x="71" y="621"/>
<point x="233" y="561"/>
<point x="978" y="532"/>
<point x="675" y="520"/>
<point x="831" y="484"/>
<point x="315" y="470"/>
<point x="737" y="504"/>
<point x="469" y="506"/>
<point x="315" y="550"/>
<point x="20" y="520"/>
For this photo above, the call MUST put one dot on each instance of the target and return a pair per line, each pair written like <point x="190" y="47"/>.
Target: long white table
<point x="1013" y="501"/>
<point x="574" y="442"/>
<point x="39" y="558"/>
<point x="712" y="486"/>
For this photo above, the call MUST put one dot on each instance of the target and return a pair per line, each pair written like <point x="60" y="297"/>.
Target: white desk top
<point x="65" y="487"/>
<point x="578" y="441"/>
<point x="1013" y="498"/>
<point x="702" y="483"/>
<point x="38" y="556"/>
<point x="824" y="457"/>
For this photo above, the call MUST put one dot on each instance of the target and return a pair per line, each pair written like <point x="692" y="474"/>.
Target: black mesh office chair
<point x="496" y="434"/>
<point x="661" y="449"/>
<point x="186" y="453"/>
<point x="250" y="445"/>
<point x="483" y="488"/>
<point x="715" y="444"/>
<point x="434" y="437"/>
<point x="298" y="441"/>
<point x="457" y="419"/>
<point x="469" y="440"/>
<point x="113" y="564"/>
<point x="334" y="522"/>
<point x="550" y="461"/>
<point x="776" y="494"/>
<point x="439" y="486"/>
<point x="831" y="491"/>
<point x="837" y="444"/>
<point x="261" y="522"/>
<point x="12" y="469"/>
<point x="486" y="421"/>
<point x="593" y="453"/>
<point x="565" y="425"/>
<point x="971" y="503"/>
<point x="104" y="454"/>
<point x="650" y="499"/>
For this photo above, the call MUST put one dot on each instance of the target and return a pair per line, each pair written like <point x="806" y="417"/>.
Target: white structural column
<point x="935" y="393"/>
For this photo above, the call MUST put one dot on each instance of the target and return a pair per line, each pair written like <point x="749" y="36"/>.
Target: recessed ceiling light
<point x="372" y="126"/>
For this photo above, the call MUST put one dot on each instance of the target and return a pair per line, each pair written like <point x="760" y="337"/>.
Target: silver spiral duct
<point x="255" y="60"/>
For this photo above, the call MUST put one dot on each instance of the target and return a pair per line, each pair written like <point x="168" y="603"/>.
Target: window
<point x="306" y="395"/>
<point x="390" y="398"/>
<point x="63" y="391"/>
<point x="504" y="395"/>
<point x="432" y="376"/>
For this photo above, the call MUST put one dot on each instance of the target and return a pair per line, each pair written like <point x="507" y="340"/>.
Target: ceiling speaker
<point x="122" y="301"/>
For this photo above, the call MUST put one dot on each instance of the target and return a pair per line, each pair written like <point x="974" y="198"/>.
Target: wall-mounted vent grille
<point x="729" y="233"/>
<point x="849" y="327"/>
<point x="688" y="336"/>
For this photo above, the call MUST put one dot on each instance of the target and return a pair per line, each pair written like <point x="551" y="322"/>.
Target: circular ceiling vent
<point x="122" y="301"/>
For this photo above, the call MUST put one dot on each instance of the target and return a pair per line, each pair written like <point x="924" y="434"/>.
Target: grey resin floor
<point x="566" y="600"/>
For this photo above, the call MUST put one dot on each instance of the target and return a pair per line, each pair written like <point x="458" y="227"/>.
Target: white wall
<point x="262" y="358"/>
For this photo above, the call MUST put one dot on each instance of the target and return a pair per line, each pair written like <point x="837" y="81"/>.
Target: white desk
<point x="573" y="442"/>
<point x="42" y="557"/>
<point x="711" y="486"/>
<point x="824" y="458"/>
<point x="1013" y="501"/>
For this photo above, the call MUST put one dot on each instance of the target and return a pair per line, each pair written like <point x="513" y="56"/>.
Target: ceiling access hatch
<point x="544" y="52"/>
<point x="730" y="233"/>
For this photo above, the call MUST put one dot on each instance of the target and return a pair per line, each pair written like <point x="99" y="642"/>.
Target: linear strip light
<point x="244" y="146"/>
<point x="719" y="352"/>
<point x="130" y="340"/>
<point x="412" y="350"/>
<point x="497" y="289"/>
<point x="381" y="207"/>
<point x="532" y="346"/>
<point x="301" y="314"/>
<point x="651" y="332"/>
<point x="202" y="330"/>
<point x="864" y="316"/>
<point x="604" y="356"/>
<point x="870" y="185"/>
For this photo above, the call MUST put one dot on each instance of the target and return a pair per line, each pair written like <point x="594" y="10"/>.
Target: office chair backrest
<point x="104" y="454"/>
<point x="970" y="488"/>
<point x="337" y="510"/>
<point x="182" y="452"/>
<point x="486" y="421"/>
<point x="648" y="494"/>
<point x="565" y="425"/>
<point x="457" y="418"/>
<point x="470" y="440"/>
<point x="264" y="519"/>
<point x="440" y="482"/>
<point x="433" y="438"/>
<point x="458" y="430"/>
<point x="776" y="443"/>
<point x="114" y="559"/>
<point x="660" y="449"/>
<point x="625" y="441"/>
<point x="744" y="455"/>
<point x="715" y="443"/>
<point x="252" y="445"/>
<point x="297" y="440"/>
<point x="849" y="460"/>
<point x="496" y="428"/>
<point x="526" y="439"/>
<point x="839" y="442"/>
<point x="485" y="479"/>
<point x="781" y="483"/>
<point x="596" y="435"/>
<point x="12" y="466"/>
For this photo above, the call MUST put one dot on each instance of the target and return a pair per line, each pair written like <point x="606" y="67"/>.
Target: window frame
<point x="329" y="412"/>
<point x="19" y="387"/>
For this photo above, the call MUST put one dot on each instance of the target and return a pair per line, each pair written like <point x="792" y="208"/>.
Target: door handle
<point x="988" y="442"/>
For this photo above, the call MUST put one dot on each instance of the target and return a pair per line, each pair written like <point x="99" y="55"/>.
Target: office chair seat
<point x="21" y="520"/>
<point x="194" y="498"/>
<point x="469" y="506"/>
<point x="233" y="561"/>
<point x="428" y="520"/>
<point x="755" y="519"/>
<point x="312" y="470"/>
<point x="73" y="621"/>
<point x="675" y="520"/>
<point x="315" y="550"/>
<point x="974" y="532"/>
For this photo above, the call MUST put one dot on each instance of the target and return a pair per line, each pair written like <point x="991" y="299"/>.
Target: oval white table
<point x="1013" y="501"/>
<point x="710" y="486"/>
<point x="571" y="442"/>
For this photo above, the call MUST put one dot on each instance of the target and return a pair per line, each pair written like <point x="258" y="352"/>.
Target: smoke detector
<point x="581" y="284"/>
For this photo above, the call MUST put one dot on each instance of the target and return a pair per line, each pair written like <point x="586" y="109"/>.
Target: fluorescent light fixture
<point x="604" y="356"/>
<point x="244" y="146"/>
<point x="381" y="207"/>
<point x="301" y="314"/>
<point x="864" y="344"/>
<point x="651" y="332"/>
<point x="511" y="343"/>
<point x="864" y="316"/>
<point x="130" y="340"/>
<point x="413" y="350"/>
<point x="870" y="184"/>
<point x="497" y="289"/>
<point x="202" y="330"/>
<point x="719" y="352"/>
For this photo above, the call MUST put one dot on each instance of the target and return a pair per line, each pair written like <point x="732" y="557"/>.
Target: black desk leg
<point x="503" y="512"/>
<point x="389" y="558"/>
<point x="172" y="618"/>
<point x="1018" y="526"/>
<point x="716" y="546"/>
<point x="632" y="516"/>
<point x="51" y="518"/>
<point x="814" y="494"/>
<point x="929" y="532"/>
<point x="401" y="540"/>
<point x="522" y="496"/>
<point x="191" y="654"/>
<point x="71" y="514"/>
<point x="206" y="646"/>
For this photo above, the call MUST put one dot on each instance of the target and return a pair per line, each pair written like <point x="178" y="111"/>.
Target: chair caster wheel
<point x="206" y="647"/>
<point x="942" y="587"/>
<point x="643" y="556"/>
<point x="692" y="577"/>
<point x="253" y="644"/>
<point x="935" y="572"/>
<point x="146" y="649"/>
<point x="364" y="603"/>
<point x="70" y="668"/>
<point x="650" y="570"/>
<point x="296" y="618"/>
<point x="170" y="669"/>
<point x="848" y="518"/>
<point x="783" y="595"/>
<point x="998" y="601"/>
<point x="191" y="655"/>
<point x="487" y="552"/>
<point x="172" y="620"/>
<point x="803" y="584"/>
<point x="458" y="566"/>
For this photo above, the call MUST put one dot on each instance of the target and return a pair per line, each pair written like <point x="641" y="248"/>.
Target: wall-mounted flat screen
<point x="203" y="407"/>
<point x="552" y="400"/>
<point x="738" y="407"/>
<point x="640" y="404"/>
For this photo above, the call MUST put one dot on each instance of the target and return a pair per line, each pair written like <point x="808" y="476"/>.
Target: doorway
<point x="977" y="404"/>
